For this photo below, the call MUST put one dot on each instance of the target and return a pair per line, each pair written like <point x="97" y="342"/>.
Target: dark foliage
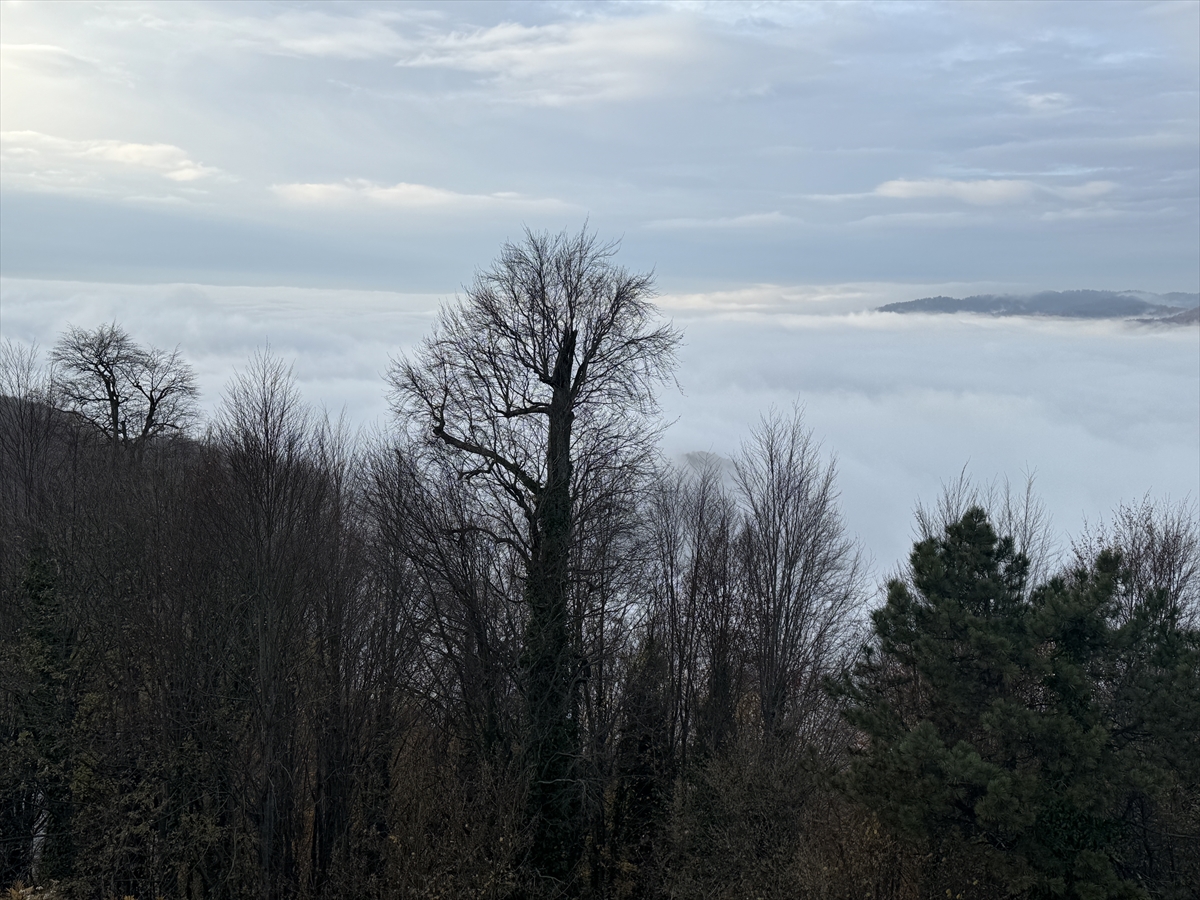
<point x="1027" y="742"/>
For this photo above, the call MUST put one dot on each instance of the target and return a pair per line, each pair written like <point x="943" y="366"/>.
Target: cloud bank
<point x="1102" y="411"/>
<point x="781" y="167"/>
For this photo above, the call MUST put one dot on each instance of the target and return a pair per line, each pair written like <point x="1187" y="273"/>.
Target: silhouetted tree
<point x="128" y="393"/>
<point x="551" y="350"/>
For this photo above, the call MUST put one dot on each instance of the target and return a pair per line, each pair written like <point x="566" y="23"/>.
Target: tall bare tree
<point x="551" y="349"/>
<point x="802" y="573"/>
<point x="272" y="527"/>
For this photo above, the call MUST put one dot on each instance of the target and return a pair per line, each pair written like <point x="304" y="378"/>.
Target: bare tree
<point x="802" y="574"/>
<point x="1159" y="544"/>
<point x="551" y="349"/>
<point x="696" y="613"/>
<point x="128" y="393"/>
<point x="425" y="522"/>
<point x="715" y="582"/>
<point x="271" y="525"/>
<point x="28" y="426"/>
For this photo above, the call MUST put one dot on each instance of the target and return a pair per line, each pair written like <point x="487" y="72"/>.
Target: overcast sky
<point x="394" y="145"/>
<point x="216" y="174"/>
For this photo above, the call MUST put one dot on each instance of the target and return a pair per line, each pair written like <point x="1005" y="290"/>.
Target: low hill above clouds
<point x="1174" y="308"/>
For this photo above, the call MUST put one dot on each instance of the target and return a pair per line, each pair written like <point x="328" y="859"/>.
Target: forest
<point x="503" y="648"/>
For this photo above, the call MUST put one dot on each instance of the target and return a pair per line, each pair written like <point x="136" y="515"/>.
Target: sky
<point x="321" y="176"/>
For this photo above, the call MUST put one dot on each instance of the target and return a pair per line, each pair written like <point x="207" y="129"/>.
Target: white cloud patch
<point x="334" y="32"/>
<point x="315" y="33"/>
<point x="917" y="220"/>
<point x="818" y="299"/>
<point x="1085" y="214"/>
<point x="33" y="160"/>
<point x="1050" y="102"/>
<point x="560" y="63"/>
<point x="1090" y="191"/>
<point x="989" y="191"/>
<point x="42" y="63"/>
<point x="403" y="195"/>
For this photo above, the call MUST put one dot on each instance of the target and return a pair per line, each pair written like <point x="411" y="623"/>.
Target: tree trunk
<point x="550" y="658"/>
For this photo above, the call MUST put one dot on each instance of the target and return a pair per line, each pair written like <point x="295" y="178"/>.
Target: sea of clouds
<point x="1099" y="411"/>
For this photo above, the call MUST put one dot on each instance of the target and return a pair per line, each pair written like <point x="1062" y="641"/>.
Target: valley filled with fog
<point x="1099" y="411"/>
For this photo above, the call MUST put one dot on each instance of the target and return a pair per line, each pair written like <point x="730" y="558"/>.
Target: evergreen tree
<point x="1012" y="736"/>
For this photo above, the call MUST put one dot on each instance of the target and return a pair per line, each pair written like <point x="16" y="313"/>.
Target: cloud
<point x="1102" y="411"/>
<point x="1089" y="191"/>
<point x="1045" y="103"/>
<point x="403" y="195"/>
<point x="33" y="160"/>
<point x="917" y="219"/>
<point x="650" y="113"/>
<point x="40" y="63"/>
<point x="339" y="340"/>
<point x="988" y="192"/>
<point x="757" y="301"/>
<point x="314" y="33"/>
<point x="560" y="63"/>
<point x="281" y="31"/>
<point x="1084" y="213"/>
<point x="750" y="220"/>
<point x="44" y="58"/>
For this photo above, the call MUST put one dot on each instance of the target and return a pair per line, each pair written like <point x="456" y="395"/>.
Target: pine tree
<point x="1011" y="736"/>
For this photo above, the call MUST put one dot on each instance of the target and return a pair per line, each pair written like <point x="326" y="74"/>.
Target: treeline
<point x="504" y="650"/>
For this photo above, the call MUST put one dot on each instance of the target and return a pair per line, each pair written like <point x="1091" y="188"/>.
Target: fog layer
<point x="1099" y="411"/>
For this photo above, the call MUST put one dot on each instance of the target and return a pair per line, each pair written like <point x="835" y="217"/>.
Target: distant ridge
<point x="1187" y="317"/>
<point x="1175" y="308"/>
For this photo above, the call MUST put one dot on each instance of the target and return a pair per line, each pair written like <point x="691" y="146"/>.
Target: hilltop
<point x="1176" y="307"/>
